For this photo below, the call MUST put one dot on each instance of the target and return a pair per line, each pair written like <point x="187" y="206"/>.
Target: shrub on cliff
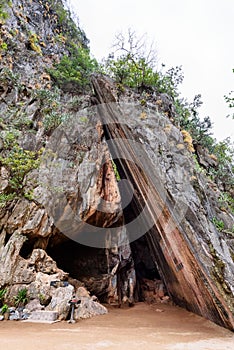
<point x="74" y="69"/>
<point x="133" y="65"/>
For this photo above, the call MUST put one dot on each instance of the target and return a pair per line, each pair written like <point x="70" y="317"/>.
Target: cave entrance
<point x="86" y="264"/>
<point x="79" y="260"/>
<point x="92" y="266"/>
<point x="145" y="268"/>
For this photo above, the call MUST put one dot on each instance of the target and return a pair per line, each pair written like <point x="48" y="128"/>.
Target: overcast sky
<point x="197" y="34"/>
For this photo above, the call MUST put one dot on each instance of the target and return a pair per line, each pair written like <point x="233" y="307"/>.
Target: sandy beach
<point x="143" y="326"/>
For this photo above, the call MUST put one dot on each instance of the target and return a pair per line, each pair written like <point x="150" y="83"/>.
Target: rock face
<point x="193" y="258"/>
<point x="115" y="205"/>
<point x="32" y="228"/>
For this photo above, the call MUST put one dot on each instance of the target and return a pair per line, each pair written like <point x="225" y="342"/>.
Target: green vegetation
<point x="33" y="40"/>
<point x="4" y="309"/>
<point x="226" y="201"/>
<point x="3" y="12"/>
<point x="219" y="224"/>
<point x="3" y="46"/>
<point x="133" y="65"/>
<point x="224" y="172"/>
<point x="75" y="67"/>
<point x="7" y="76"/>
<point x="50" y="108"/>
<point x="230" y="100"/>
<point x="47" y="98"/>
<point x="19" y="163"/>
<point x="9" y="137"/>
<point x="135" y="68"/>
<point x="67" y="22"/>
<point x="6" y="198"/>
<point x="74" y="70"/>
<point x="117" y="176"/>
<point x="53" y="120"/>
<point x="2" y="296"/>
<point x="21" y="298"/>
<point x="131" y="72"/>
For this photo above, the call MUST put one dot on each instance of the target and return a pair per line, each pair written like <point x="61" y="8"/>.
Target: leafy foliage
<point x="19" y="162"/>
<point x="3" y="12"/>
<point x="226" y="201"/>
<point x="46" y="97"/>
<point x="133" y="65"/>
<point x="2" y="294"/>
<point x="5" y="198"/>
<point x="53" y="120"/>
<point x="219" y="224"/>
<point x="224" y="173"/>
<point x="21" y="298"/>
<point x="68" y="23"/>
<point x="75" y="69"/>
<point x="131" y="72"/>
<point x="117" y="175"/>
<point x="9" y="77"/>
<point x="230" y="100"/>
<point x="4" y="309"/>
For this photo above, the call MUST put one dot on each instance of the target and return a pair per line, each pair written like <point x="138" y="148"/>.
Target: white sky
<point x="197" y="34"/>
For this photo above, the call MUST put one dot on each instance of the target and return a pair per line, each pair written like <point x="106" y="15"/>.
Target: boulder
<point x="60" y="301"/>
<point x="89" y="307"/>
<point x="34" y="305"/>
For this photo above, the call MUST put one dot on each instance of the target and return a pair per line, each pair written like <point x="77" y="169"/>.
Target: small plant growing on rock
<point x="3" y="13"/>
<point x="3" y="46"/>
<point x="4" y="309"/>
<point x="19" y="163"/>
<point x="44" y="299"/>
<point x="33" y="43"/>
<point x="226" y="201"/>
<point x="53" y="120"/>
<point x="117" y="176"/>
<point x="2" y="296"/>
<point x="21" y="298"/>
<point x="75" y="69"/>
<point x="188" y="140"/>
<point x="219" y="224"/>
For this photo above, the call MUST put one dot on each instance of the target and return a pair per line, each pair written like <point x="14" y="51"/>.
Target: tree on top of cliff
<point x="230" y="100"/>
<point x="133" y="65"/>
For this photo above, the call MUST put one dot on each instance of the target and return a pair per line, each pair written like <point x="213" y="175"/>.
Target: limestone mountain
<point x="99" y="187"/>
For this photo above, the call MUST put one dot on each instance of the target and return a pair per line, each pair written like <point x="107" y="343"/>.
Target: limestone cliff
<point x="99" y="185"/>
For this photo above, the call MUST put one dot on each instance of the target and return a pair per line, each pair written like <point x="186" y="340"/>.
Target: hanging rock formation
<point x="194" y="260"/>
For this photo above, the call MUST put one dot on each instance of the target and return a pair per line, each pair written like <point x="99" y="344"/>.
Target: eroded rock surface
<point x="70" y="221"/>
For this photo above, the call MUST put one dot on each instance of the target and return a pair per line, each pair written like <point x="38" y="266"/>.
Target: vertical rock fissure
<point x="127" y="170"/>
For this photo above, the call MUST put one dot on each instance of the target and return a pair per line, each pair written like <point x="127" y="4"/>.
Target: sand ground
<point x="144" y="327"/>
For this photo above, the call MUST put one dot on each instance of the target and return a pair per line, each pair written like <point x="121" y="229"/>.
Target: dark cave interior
<point x="83" y="262"/>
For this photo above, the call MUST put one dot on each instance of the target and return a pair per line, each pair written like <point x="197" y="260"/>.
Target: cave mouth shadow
<point x="145" y="268"/>
<point x="92" y="266"/>
<point x="79" y="260"/>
